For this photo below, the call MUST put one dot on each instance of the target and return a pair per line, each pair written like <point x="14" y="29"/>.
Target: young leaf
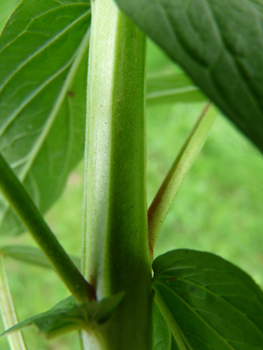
<point x="166" y="194"/>
<point x="43" y="73"/>
<point x="67" y="316"/>
<point x="207" y="302"/>
<point x="31" y="255"/>
<point x="172" y="87"/>
<point x="219" y="44"/>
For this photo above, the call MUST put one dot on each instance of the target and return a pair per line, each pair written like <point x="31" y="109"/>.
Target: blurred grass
<point x="218" y="209"/>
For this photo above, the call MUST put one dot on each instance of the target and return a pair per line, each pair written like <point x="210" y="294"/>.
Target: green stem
<point x="15" y="193"/>
<point x="166" y="194"/>
<point x="116" y="251"/>
<point x="15" y="340"/>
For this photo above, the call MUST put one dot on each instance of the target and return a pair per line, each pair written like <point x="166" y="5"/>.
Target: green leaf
<point x="6" y="8"/>
<point x="163" y="338"/>
<point x="161" y="333"/>
<point x="166" y="194"/>
<point x="43" y="72"/>
<point x="31" y="255"/>
<point x="8" y="313"/>
<point x="67" y="316"/>
<point x="219" y="44"/>
<point x="170" y="87"/>
<point x="207" y="302"/>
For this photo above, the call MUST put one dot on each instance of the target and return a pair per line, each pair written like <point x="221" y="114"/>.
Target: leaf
<point x="207" y="302"/>
<point x="166" y="194"/>
<point x="31" y="255"/>
<point x="6" y="8"/>
<point x="43" y="70"/>
<point x="171" y="87"/>
<point x="8" y="313"/>
<point x="67" y="316"/>
<point x="161" y="333"/>
<point x="219" y="44"/>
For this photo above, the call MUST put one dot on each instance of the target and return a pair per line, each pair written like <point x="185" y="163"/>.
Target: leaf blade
<point x="218" y="43"/>
<point x="6" y="8"/>
<point x="42" y="120"/>
<point x="167" y="192"/>
<point x="161" y="333"/>
<point x="215" y="304"/>
<point x="67" y="316"/>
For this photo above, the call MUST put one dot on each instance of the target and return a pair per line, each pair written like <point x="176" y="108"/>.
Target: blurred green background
<point x="218" y="209"/>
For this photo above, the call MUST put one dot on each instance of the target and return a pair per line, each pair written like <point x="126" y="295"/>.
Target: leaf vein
<point x="42" y="48"/>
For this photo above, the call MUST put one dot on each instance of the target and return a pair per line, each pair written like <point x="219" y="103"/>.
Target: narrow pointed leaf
<point x="8" y="313"/>
<point x="172" y="87"/>
<point x="43" y="72"/>
<point x="219" y="44"/>
<point x="64" y="317"/>
<point x="67" y="316"/>
<point x="31" y="255"/>
<point x="166" y="194"/>
<point x="207" y="302"/>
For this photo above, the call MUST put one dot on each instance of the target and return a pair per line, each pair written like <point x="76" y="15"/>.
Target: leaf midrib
<point x="193" y="310"/>
<point x="199" y="316"/>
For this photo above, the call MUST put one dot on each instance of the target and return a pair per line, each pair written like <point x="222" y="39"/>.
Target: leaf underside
<point x="43" y="74"/>
<point x="212" y="304"/>
<point x="219" y="44"/>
